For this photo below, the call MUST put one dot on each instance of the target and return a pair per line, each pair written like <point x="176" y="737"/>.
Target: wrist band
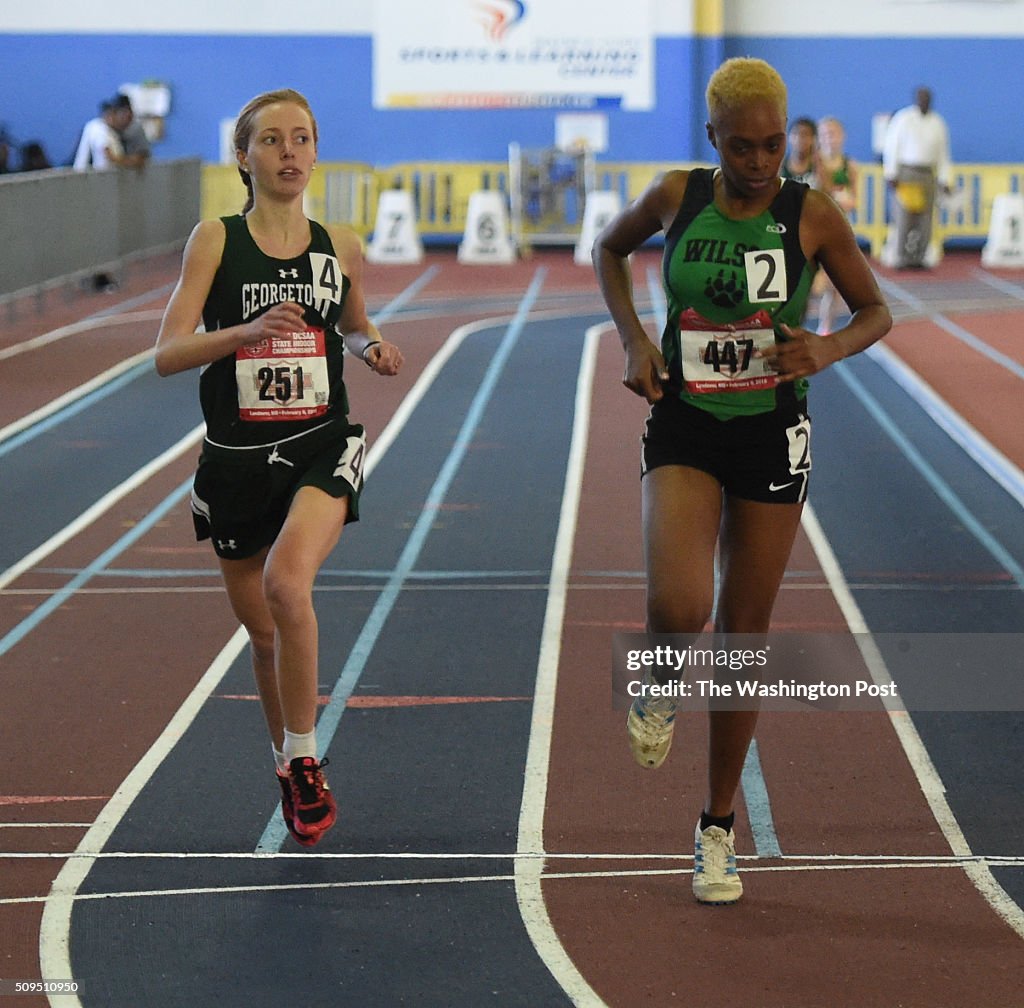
<point x="372" y="343"/>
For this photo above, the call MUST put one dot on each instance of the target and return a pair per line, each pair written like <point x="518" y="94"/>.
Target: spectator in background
<point x="99" y="146"/>
<point x="5" y="151"/>
<point x="33" y="157"/>
<point x="134" y="142"/>
<point x="800" y="152"/>
<point x="915" y="162"/>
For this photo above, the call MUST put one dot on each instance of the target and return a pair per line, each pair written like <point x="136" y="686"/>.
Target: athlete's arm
<point x="362" y="337"/>
<point x="650" y="213"/>
<point x="826" y="235"/>
<point x="179" y="347"/>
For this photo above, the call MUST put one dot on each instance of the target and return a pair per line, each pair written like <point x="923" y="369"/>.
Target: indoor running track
<point x="496" y="844"/>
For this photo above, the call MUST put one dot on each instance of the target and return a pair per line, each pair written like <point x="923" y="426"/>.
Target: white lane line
<point x="104" y="504"/>
<point x="58" y="598"/>
<point x="917" y="755"/>
<point x="541" y="855"/>
<point x="55" y="926"/>
<point x="1006" y="473"/>
<point x="954" y="329"/>
<point x="54" y="935"/>
<point x="327" y="725"/>
<point x="941" y="487"/>
<point x="43" y="825"/>
<point x="1001" y="284"/>
<point x="72" y="402"/>
<point x="74" y="328"/>
<point x="224" y="890"/>
<point x="529" y="871"/>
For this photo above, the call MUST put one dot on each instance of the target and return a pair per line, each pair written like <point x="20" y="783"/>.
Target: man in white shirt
<point x="100" y="146"/>
<point x="915" y="160"/>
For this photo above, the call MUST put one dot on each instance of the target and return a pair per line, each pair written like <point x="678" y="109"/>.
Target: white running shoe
<point x="650" y="724"/>
<point x="715" y="878"/>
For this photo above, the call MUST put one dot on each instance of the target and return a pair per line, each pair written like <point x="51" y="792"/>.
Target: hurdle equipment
<point x="1005" y="245"/>
<point x="598" y="211"/>
<point x="395" y="239"/>
<point x="486" y="239"/>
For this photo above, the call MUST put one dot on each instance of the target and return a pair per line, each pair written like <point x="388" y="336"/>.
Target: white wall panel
<point x="876" y="18"/>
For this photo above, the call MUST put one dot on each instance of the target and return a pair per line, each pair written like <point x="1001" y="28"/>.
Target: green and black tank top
<point x="268" y="392"/>
<point x="729" y="285"/>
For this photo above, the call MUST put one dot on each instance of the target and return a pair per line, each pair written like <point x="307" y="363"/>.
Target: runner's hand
<point x="385" y="358"/>
<point x="645" y="370"/>
<point x="281" y="320"/>
<point x="804" y="353"/>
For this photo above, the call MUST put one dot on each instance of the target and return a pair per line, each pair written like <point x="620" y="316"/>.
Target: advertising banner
<point x="485" y="54"/>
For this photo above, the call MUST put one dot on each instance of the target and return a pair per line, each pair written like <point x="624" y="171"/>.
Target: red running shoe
<point x="288" y="809"/>
<point x="313" y="807"/>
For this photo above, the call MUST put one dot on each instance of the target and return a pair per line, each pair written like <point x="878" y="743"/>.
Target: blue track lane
<point x="927" y="541"/>
<point x="421" y="779"/>
<point x="930" y="544"/>
<point x="61" y="468"/>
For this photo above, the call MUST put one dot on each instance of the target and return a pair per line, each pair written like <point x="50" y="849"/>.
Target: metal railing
<point x="979" y="183"/>
<point x="348" y="193"/>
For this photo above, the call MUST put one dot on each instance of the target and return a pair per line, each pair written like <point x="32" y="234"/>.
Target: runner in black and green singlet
<point x="726" y="448"/>
<point x="751" y="274"/>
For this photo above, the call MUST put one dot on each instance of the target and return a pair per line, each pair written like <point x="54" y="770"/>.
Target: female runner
<point x="726" y="450"/>
<point x="281" y="299"/>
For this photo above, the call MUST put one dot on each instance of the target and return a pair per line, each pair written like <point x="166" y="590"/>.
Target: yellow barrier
<point x="337" y="192"/>
<point x="348" y="193"/>
<point x="441" y="191"/>
<point x="222" y="191"/>
<point x="979" y="183"/>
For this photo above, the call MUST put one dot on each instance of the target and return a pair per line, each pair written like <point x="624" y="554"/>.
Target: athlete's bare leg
<point x="756" y="542"/>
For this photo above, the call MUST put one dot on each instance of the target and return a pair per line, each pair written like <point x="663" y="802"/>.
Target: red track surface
<point x="864" y="937"/>
<point x="860" y="937"/>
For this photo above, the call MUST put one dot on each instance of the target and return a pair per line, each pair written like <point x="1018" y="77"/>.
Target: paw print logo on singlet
<point x="723" y="292"/>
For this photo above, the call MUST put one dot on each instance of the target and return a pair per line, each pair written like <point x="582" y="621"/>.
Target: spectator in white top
<point x="915" y="161"/>
<point x="99" y="146"/>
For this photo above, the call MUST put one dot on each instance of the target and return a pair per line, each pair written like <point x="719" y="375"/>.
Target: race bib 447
<point x="717" y="358"/>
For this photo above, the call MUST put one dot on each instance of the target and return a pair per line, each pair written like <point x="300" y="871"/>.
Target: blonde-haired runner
<point x="726" y="448"/>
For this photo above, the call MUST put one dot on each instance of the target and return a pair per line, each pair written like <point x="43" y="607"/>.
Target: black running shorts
<point x="241" y="496"/>
<point x="764" y="457"/>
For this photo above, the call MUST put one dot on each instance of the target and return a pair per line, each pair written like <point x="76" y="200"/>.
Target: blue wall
<point x="977" y="85"/>
<point x="53" y="83"/>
